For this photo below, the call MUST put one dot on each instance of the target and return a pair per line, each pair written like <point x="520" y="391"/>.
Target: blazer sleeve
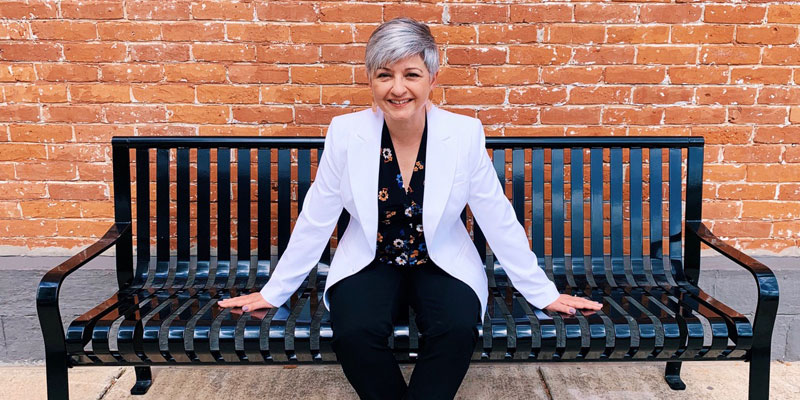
<point x="312" y="230"/>
<point x="506" y="236"/>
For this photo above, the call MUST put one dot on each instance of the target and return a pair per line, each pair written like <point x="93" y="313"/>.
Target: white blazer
<point x="458" y="171"/>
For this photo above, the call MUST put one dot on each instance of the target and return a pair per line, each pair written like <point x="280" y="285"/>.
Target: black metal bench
<point x="637" y="251"/>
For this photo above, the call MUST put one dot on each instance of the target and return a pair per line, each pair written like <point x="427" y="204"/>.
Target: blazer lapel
<point x="363" y="164"/>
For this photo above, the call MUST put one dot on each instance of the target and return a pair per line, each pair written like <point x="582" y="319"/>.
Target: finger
<point x="581" y="302"/>
<point x="561" y="307"/>
<point x="256" y="304"/>
<point x="237" y="301"/>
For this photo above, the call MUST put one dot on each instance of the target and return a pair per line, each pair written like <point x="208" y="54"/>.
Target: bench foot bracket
<point x="144" y="378"/>
<point x="672" y="375"/>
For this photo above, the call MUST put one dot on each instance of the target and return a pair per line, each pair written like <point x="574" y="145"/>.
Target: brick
<point x="192" y="31"/>
<point x="262" y="114"/>
<point x="263" y="33"/>
<point x="670" y="13"/>
<point x="478" y="13"/>
<point x="703" y="34"/>
<point x="783" y="14"/>
<point x="211" y="114"/>
<point x="67" y="72"/>
<point x="737" y="229"/>
<point x="286" y="11"/>
<point x="780" y="95"/>
<point x="95" y="52"/>
<point x="159" y="52"/>
<point x="694" y="115"/>
<point x="17" y="72"/>
<point x="729" y="54"/>
<point x="83" y="113"/>
<point x="760" y="75"/>
<point x="574" y="33"/>
<point x="662" y="95"/>
<point x="725" y="95"/>
<point x="495" y="75"/>
<point x="15" y="30"/>
<point x="100" y="93"/>
<point x="132" y="113"/>
<point x="541" y="13"/>
<point x="10" y="209"/>
<point x="93" y="229"/>
<point x="752" y="154"/>
<point x="290" y="94"/>
<point x="505" y="33"/>
<point x="777" y="134"/>
<point x="22" y="152"/>
<point x="77" y="191"/>
<point x="343" y="54"/>
<point x="698" y="75"/>
<point x="756" y="115"/>
<point x="475" y="95"/>
<point x="572" y="74"/>
<point x="476" y="55"/>
<point x="329" y="33"/>
<point x="632" y="115"/>
<point x="91" y="10"/>
<point x="634" y="74"/>
<point x="599" y="95"/>
<point x="604" y="55"/>
<point x="257" y="74"/>
<point x="223" y="11"/>
<point x="288" y="54"/>
<point x="131" y="73"/>
<point x="344" y="12"/>
<point x="100" y="152"/>
<point x="158" y="10"/>
<point x="100" y="133"/>
<point x="224" y="52"/>
<point x="23" y="190"/>
<point x="537" y="95"/>
<point x="325" y="74"/>
<point x="49" y="171"/>
<point x="346" y="95"/>
<point x="101" y="172"/>
<point x="724" y="172"/>
<point x="789" y="191"/>
<point x="637" y="34"/>
<point x="775" y="34"/>
<point x="727" y="14"/>
<point x="316" y="114"/>
<point x="28" y="9"/>
<point x="36" y="93"/>
<point x="751" y="191"/>
<point x="64" y="30"/>
<point x="773" y="173"/>
<point x="722" y="209"/>
<point x="781" y="56"/>
<point x="792" y="154"/>
<point x="666" y="55"/>
<point x="509" y="115"/>
<point x="50" y="133"/>
<point x="163" y="93"/>
<point x="195" y="73"/>
<point x="28" y="228"/>
<point x="19" y="112"/>
<point x="571" y="115"/>
<point x="129" y="31"/>
<point x="780" y="210"/>
<point x="538" y="55"/>
<point x="227" y="94"/>
<point x="96" y="209"/>
<point x="428" y="13"/>
<point x="605" y="13"/>
<point x="30" y="52"/>
<point x="794" y="115"/>
<point x="458" y="34"/>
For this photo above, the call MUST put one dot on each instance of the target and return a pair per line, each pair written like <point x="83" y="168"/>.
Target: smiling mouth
<point x="399" y="102"/>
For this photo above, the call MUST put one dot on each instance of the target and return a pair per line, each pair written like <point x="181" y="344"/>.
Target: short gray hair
<point x="400" y="38"/>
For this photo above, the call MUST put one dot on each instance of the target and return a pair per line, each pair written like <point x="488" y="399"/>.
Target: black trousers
<point x="363" y="309"/>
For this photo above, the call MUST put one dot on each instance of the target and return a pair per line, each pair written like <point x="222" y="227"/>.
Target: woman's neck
<point x="407" y="131"/>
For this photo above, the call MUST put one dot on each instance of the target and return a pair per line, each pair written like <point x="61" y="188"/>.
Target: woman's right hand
<point x="248" y="303"/>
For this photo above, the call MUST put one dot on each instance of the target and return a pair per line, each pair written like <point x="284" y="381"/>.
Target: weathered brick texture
<point x="75" y="73"/>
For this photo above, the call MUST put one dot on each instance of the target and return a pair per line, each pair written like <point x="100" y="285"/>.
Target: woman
<point x="383" y="165"/>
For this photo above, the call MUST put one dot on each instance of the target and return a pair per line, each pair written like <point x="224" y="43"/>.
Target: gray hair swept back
<point x="400" y="38"/>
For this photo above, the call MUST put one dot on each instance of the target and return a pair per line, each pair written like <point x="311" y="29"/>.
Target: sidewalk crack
<point x="111" y="384"/>
<point x="544" y="382"/>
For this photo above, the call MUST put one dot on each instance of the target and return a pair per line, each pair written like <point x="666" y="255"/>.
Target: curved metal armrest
<point x="47" y="294"/>
<point x="767" y="307"/>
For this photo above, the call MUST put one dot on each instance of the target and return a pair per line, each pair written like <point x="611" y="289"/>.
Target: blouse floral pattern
<point x="401" y="240"/>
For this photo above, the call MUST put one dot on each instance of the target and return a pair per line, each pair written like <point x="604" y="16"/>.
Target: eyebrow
<point x="418" y="69"/>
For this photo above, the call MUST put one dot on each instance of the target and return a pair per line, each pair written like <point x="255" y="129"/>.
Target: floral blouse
<point x="401" y="240"/>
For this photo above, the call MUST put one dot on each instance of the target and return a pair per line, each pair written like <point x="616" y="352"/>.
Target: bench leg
<point x="673" y="376"/>
<point x="759" y="376"/>
<point x="144" y="378"/>
<point x="57" y="383"/>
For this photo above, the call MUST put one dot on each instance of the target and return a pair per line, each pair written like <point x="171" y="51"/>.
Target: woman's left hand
<point x="569" y="304"/>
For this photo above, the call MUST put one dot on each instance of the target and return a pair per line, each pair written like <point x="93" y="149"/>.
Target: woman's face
<point x="401" y="89"/>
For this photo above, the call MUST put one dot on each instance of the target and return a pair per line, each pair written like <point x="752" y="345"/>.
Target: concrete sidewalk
<point x="705" y="380"/>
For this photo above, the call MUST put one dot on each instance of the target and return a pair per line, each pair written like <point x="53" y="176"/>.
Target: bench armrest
<point x="767" y="283"/>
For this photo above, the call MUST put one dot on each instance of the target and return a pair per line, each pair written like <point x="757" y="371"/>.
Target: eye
<point x="413" y="74"/>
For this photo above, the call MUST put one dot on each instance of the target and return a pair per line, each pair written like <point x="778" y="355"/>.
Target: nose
<point x="398" y="87"/>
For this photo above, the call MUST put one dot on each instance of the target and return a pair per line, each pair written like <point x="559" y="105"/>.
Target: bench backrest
<point x="631" y="215"/>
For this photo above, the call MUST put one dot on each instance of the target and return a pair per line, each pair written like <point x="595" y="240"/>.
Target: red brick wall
<point x="73" y="74"/>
